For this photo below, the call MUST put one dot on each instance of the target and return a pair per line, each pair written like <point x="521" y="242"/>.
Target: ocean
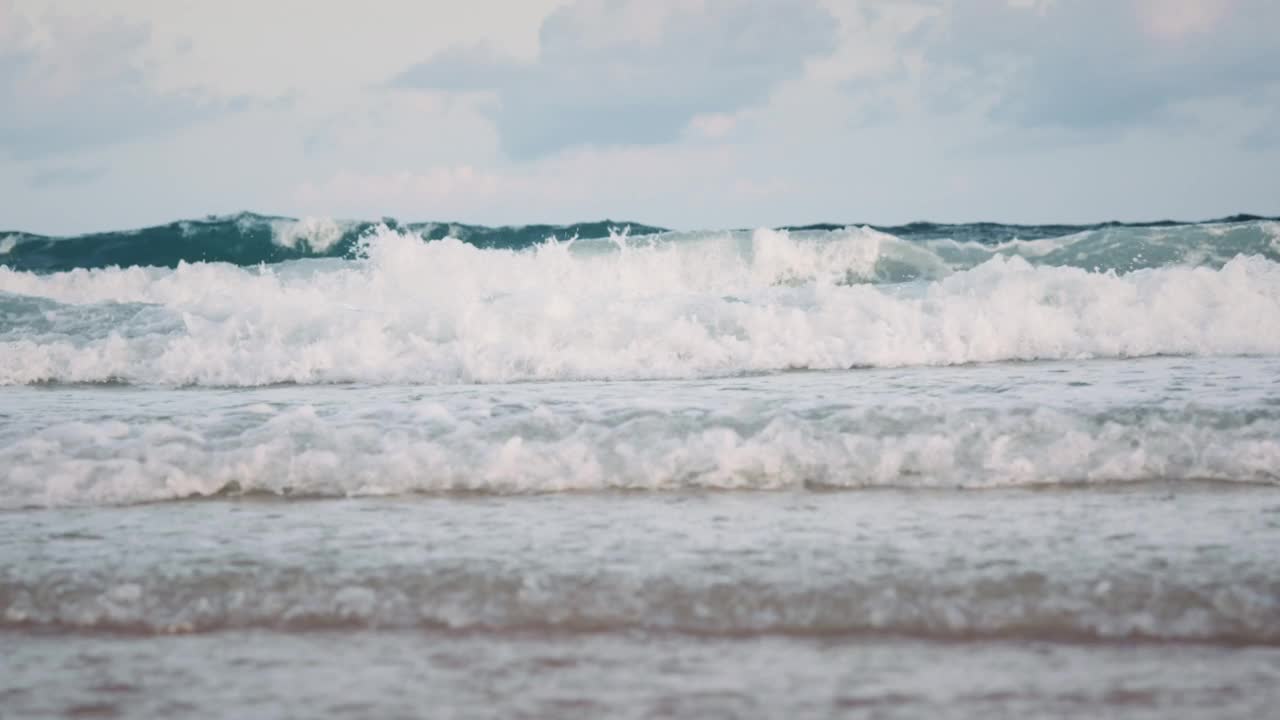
<point x="255" y="466"/>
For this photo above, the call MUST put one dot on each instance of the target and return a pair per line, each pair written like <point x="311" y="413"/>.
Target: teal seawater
<point x="252" y="239"/>
<point x="248" y="239"/>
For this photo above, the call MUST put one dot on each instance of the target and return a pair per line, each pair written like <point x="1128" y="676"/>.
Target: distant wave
<point x="250" y="239"/>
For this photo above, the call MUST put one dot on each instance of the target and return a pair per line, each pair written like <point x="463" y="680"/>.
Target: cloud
<point x="634" y="72"/>
<point x="64" y="176"/>
<point x="656" y="184"/>
<point x="442" y="186"/>
<point x="713" y="126"/>
<point x="70" y="82"/>
<point x="1099" y="66"/>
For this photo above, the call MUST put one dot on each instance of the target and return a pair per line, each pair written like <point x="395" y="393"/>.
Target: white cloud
<point x="70" y="82"/>
<point x="61" y="176"/>
<point x="461" y="186"/>
<point x="304" y="47"/>
<point x="1100" y="66"/>
<point x="1175" y="19"/>
<point x="713" y="126"/>
<point x="620" y="72"/>
<point x="689" y="113"/>
<point x="666" y="185"/>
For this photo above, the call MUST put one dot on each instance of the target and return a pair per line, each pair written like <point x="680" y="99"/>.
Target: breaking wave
<point x="249" y="239"/>
<point x="722" y="304"/>
<point x="381" y="442"/>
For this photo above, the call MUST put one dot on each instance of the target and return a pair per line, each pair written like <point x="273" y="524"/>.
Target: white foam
<point x="315" y="234"/>
<point x="8" y="243"/>
<point x="1272" y="230"/>
<point x="1016" y="246"/>
<point x="447" y="312"/>
<point x="497" y="444"/>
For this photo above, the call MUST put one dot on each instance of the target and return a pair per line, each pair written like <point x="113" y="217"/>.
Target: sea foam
<point x="496" y="447"/>
<point x="445" y="311"/>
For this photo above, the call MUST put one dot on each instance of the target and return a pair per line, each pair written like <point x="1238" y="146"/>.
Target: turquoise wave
<point x="249" y="239"/>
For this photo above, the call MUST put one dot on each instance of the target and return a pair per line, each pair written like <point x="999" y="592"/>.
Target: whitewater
<point x="613" y="469"/>
<point x="406" y="311"/>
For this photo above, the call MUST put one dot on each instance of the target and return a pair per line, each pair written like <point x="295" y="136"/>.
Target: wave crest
<point x="508" y="447"/>
<point x="448" y="312"/>
<point x="248" y="239"/>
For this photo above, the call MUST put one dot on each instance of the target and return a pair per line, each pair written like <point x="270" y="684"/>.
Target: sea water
<point x="370" y="470"/>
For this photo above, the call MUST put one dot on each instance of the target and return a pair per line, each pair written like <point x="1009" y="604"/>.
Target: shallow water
<point x="1148" y="600"/>
<point x="417" y="674"/>
<point x="1095" y="538"/>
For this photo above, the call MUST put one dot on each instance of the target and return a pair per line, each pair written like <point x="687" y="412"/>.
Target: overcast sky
<point x="684" y="113"/>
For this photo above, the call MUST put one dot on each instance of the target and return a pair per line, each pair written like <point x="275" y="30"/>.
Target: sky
<point x="682" y="113"/>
